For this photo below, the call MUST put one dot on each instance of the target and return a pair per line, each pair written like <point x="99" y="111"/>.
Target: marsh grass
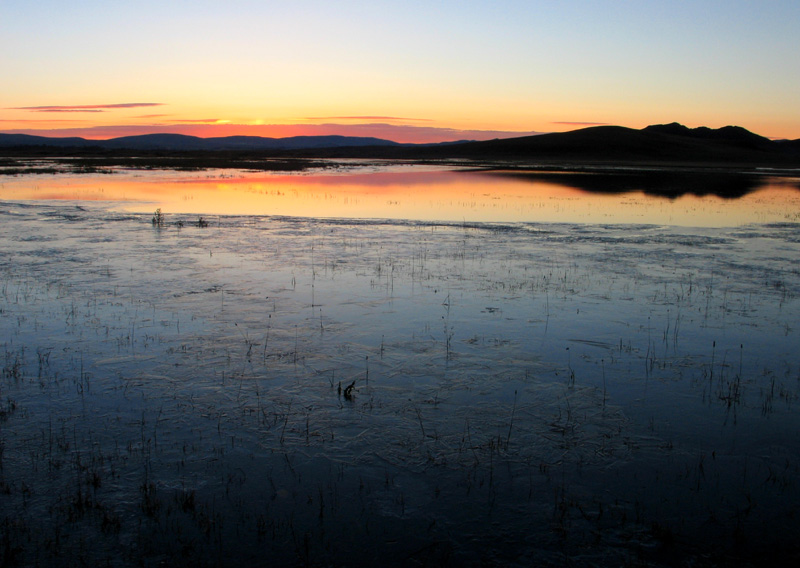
<point x="596" y="395"/>
<point x="158" y="219"/>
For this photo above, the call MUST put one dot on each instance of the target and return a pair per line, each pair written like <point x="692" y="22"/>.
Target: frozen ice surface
<point x="523" y="393"/>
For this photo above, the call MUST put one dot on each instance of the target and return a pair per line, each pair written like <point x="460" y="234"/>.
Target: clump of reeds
<point x="158" y="218"/>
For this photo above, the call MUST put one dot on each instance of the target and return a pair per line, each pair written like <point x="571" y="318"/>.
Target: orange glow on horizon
<point x="394" y="129"/>
<point x="221" y="128"/>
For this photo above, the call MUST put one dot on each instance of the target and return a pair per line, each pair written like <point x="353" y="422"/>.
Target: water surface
<point x="534" y="392"/>
<point x="422" y="193"/>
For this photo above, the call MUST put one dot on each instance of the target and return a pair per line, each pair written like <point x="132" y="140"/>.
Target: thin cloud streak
<point x="197" y="121"/>
<point x="67" y="110"/>
<point x="576" y="123"/>
<point x="83" y="108"/>
<point x="39" y="121"/>
<point x="392" y="118"/>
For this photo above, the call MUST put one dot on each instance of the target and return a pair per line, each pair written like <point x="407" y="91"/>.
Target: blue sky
<point x="459" y="66"/>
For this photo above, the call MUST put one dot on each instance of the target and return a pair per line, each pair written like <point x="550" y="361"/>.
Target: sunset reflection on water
<point x="410" y="192"/>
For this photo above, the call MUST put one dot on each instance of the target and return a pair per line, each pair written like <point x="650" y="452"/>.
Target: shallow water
<point x="431" y="193"/>
<point x="524" y="392"/>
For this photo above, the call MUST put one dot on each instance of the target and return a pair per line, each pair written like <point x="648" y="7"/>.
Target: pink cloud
<point x="392" y="118"/>
<point x="84" y="108"/>
<point x="38" y="121"/>
<point x="569" y="123"/>
<point x="197" y="121"/>
<point x="67" y="110"/>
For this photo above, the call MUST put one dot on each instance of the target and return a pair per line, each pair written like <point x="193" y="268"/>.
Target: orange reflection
<point x="419" y="193"/>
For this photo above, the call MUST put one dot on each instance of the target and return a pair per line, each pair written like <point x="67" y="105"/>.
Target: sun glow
<point x="315" y="64"/>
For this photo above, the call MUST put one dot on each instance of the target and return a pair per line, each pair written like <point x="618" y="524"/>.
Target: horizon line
<point x="401" y="134"/>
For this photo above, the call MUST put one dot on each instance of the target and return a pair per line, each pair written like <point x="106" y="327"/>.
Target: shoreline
<point x="70" y="162"/>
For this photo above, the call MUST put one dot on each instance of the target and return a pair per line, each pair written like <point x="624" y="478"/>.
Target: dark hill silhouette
<point x="181" y="142"/>
<point x="23" y="140"/>
<point x="155" y="142"/>
<point x="733" y="135"/>
<point x="669" y="145"/>
<point x="663" y="145"/>
<point x="790" y="147"/>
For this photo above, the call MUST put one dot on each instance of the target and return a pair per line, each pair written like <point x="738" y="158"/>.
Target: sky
<point x="412" y="71"/>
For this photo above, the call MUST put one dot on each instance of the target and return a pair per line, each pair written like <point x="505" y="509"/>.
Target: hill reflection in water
<point x="428" y="193"/>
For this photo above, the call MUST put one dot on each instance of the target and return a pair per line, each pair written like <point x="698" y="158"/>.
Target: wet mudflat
<point x="290" y="391"/>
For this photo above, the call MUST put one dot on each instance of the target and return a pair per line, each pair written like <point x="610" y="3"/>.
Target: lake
<point x="398" y="365"/>
<point x="431" y="193"/>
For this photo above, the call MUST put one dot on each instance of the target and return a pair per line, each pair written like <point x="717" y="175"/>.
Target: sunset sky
<point x="407" y="71"/>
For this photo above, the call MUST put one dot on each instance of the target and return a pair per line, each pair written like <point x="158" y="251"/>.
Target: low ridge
<point x="661" y="144"/>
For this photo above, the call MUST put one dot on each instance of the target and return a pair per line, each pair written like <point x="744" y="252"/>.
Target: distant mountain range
<point x="657" y="144"/>
<point x="180" y="142"/>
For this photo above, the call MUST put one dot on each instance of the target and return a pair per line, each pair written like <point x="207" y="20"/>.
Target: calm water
<point x="414" y="192"/>
<point x="544" y="391"/>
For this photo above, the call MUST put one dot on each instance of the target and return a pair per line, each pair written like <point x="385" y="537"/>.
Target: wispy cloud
<point x="151" y="115"/>
<point x="66" y="110"/>
<point x="83" y="108"/>
<point x="571" y="123"/>
<point x="199" y="121"/>
<point x="390" y="118"/>
<point x="38" y="121"/>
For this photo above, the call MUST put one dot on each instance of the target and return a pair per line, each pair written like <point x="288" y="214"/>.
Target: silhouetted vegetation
<point x="158" y="218"/>
<point x="96" y="160"/>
